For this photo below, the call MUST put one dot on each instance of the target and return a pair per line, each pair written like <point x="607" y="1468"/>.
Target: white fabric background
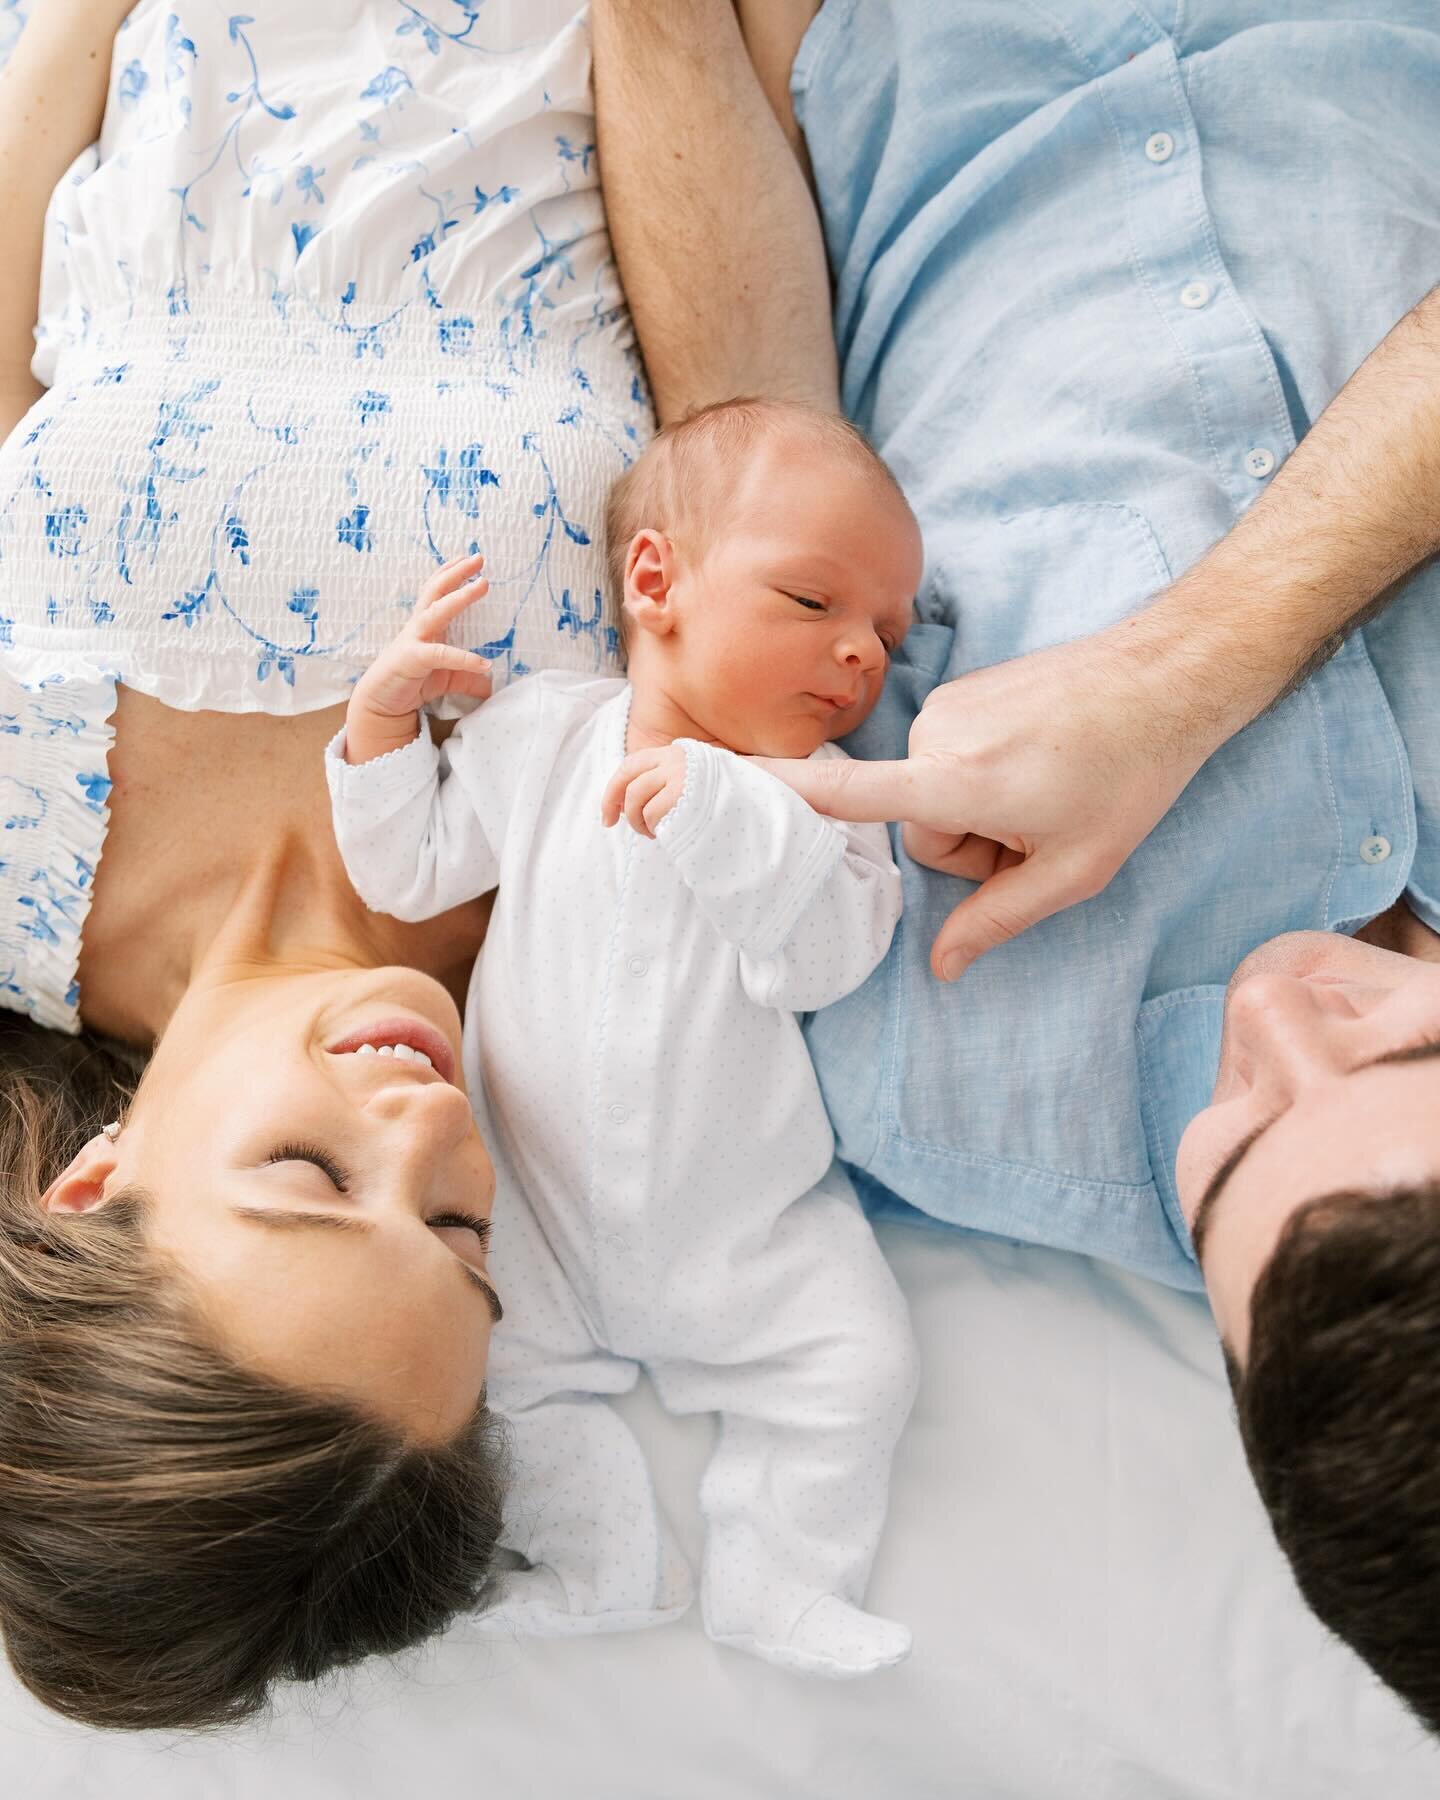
<point x="1099" y="1614"/>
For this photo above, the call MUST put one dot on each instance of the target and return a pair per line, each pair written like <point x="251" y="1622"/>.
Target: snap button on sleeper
<point x="1259" y="462"/>
<point x="1194" y="294"/>
<point x="1160" y="146"/>
<point x="1375" y="849"/>
<point x="619" y="1113"/>
<point x="639" y="965"/>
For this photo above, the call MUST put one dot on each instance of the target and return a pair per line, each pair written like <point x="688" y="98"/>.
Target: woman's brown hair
<point x="176" y="1533"/>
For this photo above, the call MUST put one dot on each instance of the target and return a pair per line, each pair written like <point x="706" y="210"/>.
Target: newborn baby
<point x="631" y="1044"/>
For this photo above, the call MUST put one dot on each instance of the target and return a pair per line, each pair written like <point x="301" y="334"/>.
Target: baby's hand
<point x="418" y="666"/>
<point x="645" y="787"/>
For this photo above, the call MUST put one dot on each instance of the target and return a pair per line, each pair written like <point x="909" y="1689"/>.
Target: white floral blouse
<point x="330" y="303"/>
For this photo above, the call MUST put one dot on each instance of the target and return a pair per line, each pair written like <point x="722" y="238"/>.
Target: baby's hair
<point x="695" y="463"/>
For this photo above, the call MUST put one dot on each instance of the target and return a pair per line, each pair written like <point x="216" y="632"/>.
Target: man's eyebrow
<point x="282" y="1220"/>
<point x="1411" y="1053"/>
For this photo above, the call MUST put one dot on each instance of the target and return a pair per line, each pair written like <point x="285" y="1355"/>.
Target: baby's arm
<point x="411" y="838"/>
<point x="810" y="903"/>
<point x="384" y="710"/>
<point x="416" y="840"/>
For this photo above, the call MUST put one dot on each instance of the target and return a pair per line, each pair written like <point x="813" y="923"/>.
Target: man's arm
<point x="52" y="100"/>
<point x="1039" y="777"/>
<point x="714" y="229"/>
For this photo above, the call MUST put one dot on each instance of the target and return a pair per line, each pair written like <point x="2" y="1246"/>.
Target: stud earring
<point x="111" y="1131"/>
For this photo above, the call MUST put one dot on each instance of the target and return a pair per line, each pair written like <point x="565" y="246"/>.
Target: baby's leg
<point x="582" y="1513"/>
<point x="812" y="1398"/>
<point x="579" y="1506"/>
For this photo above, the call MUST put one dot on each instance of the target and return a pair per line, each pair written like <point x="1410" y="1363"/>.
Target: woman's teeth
<point x="403" y="1051"/>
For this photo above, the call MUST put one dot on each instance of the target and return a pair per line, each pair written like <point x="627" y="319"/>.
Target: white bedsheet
<point x="1099" y="1614"/>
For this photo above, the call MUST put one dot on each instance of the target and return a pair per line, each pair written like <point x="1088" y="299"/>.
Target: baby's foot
<point x="541" y="1602"/>
<point x="833" y="1639"/>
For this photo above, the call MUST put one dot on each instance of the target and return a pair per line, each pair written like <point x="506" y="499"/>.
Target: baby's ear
<point x="649" y="570"/>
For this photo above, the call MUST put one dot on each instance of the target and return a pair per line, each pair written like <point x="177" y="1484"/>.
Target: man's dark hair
<point x="1339" y="1406"/>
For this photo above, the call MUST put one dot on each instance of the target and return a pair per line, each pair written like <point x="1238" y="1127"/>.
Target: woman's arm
<point x="52" y="99"/>
<point x="714" y="229"/>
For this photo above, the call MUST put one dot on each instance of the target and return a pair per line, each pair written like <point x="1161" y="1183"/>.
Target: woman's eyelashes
<point x="312" y="1153"/>
<point x="464" y="1222"/>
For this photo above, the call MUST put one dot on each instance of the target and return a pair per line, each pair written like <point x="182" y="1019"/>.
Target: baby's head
<point x="765" y="562"/>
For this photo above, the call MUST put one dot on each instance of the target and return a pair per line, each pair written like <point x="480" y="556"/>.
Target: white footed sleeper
<point x="668" y="1191"/>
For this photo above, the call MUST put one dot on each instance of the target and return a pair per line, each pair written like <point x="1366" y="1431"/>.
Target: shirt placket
<point x="1241" y="411"/>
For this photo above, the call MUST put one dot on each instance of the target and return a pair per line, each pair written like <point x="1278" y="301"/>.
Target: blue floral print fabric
<point x="330" y="302"/>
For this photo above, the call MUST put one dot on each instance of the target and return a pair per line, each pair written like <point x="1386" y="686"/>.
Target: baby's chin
<point x="790" y="738"/>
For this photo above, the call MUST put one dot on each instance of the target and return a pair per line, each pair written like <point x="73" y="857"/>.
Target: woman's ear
<point x="649" y="570"/>
<point x="80" y="1186"/>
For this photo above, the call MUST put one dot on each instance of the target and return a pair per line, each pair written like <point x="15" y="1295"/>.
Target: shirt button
<point x="1195" y="293"/>
<point x="639" y="965"/>
<point x="1160" y="146"/>
<point x="1375" y="849"/>
<point x="1259" y="462"/>
<point x="619" y="1113"/>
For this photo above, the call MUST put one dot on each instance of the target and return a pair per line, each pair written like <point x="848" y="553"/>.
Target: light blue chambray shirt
<point x="1097" y="269"/>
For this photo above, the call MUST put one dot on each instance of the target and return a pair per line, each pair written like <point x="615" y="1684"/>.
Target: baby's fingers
<point x="647" y="786"/>
<point x="613" y="799"/>
<point x="434" y="619"/>
<point x="464" y="668"/>
<point x="662" y="804"/>
<point x="449" y="576"/>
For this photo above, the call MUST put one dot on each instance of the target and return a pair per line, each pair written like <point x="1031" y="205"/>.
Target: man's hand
<point x="1037" y="778"/>
<point x="644" y="788"/>
<point x="383" y="714"/>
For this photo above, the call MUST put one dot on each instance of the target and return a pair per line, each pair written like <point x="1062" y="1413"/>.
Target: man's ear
<point x="80" y="1186"/>
<point x="649" y="570"/>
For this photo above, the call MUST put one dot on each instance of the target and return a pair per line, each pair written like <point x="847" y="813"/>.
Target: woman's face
<point x="1329" y="1082"/>
<point x="304" y="1185"/>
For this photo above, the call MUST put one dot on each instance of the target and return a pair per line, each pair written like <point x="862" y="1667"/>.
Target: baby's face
<point x="789" y="616"/>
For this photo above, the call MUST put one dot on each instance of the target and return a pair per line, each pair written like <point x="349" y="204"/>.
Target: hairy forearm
<point x="714" y="229"/>
<point x="52" y="99"/>
<point x="1353" y="511"/>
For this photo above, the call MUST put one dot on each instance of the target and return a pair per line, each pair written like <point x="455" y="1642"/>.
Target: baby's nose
<point x="862" y="651"/>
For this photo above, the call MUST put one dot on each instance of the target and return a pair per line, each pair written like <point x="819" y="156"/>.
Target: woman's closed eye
<point x="312" y="1153"/>
<point x="469" y="1223"/>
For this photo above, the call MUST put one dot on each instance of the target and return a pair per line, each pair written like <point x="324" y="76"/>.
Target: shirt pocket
<point x="1027" y="578"/>
<point x="1177" y="1042"/>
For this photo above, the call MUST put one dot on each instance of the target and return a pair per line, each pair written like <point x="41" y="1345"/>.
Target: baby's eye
<point x="814" y="605"/>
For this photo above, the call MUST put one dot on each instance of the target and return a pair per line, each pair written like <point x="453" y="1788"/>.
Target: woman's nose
<point x="435" y="1114"/>
<point x="1290" y="1037"/>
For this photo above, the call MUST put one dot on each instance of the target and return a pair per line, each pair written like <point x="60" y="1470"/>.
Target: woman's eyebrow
<point x="277" y="1216"/>
<point x="281" y="1219"/>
